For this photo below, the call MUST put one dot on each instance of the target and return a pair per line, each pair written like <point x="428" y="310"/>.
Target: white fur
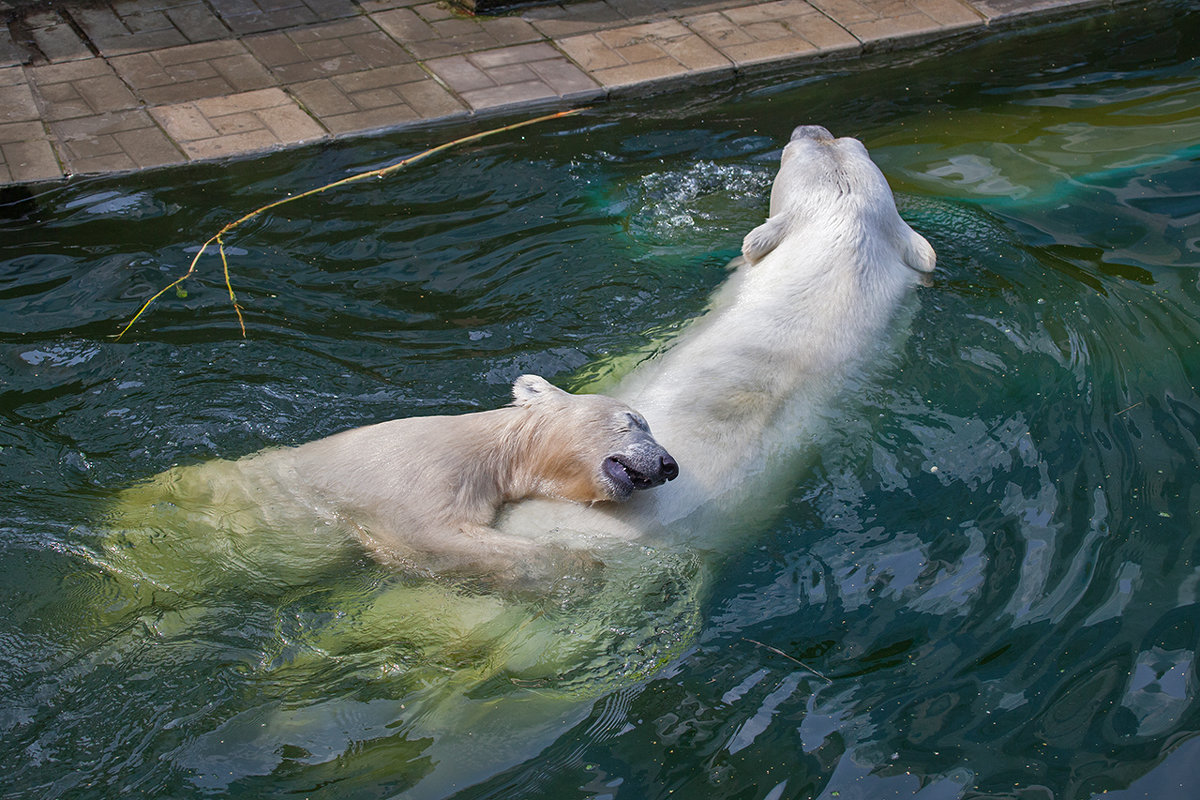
<point x="425" y="490"/>
<point x="816" y="287"/>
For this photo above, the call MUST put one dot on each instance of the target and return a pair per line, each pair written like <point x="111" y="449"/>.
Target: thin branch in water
<point x="229" y="286"/>
<point x="374" y="173"/>
<point x="777" y="651"/>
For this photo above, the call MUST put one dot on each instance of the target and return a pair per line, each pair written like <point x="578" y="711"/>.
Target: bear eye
<point x="637" y="422"/>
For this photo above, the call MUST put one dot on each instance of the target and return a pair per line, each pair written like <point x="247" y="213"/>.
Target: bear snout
<point x="628" y="473"/>
<point x="815" y="132"/>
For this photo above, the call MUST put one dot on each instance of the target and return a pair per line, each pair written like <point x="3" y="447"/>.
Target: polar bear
<point x="740" y="390"/>
<point x="424" y="490"/>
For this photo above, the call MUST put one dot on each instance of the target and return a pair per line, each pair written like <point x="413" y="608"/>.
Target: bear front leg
<point x="499" y="558"/>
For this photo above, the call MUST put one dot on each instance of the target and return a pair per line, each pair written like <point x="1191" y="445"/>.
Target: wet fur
<point x="424" y="490"/>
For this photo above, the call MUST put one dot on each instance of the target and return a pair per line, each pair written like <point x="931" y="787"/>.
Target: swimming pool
<point x="991" y="553"/>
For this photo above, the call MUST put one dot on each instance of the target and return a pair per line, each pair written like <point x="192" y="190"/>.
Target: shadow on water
<point x="991" y="554"/>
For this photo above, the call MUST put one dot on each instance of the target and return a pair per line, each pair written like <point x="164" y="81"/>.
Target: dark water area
<point x="983" y="582"/>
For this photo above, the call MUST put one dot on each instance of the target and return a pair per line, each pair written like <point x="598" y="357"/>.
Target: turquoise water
<point x="983" y="582"/>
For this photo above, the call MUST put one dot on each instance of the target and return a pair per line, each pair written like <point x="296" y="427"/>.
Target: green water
<point x="992" y="555"/>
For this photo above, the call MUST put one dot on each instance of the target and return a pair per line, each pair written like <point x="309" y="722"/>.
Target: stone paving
<point x="90" y="87"/>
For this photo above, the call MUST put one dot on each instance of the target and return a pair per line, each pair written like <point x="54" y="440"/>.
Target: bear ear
<point x="530" y="389"/>
<point x="764" y="238"/>
<point x="919" y="254"/>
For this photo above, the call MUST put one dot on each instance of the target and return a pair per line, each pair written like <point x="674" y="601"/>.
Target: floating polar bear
<point x="425" y="490"/>
<point x="815" y="290"/>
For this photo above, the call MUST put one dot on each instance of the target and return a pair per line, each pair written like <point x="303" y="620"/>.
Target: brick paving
<point x="92" y="87"/>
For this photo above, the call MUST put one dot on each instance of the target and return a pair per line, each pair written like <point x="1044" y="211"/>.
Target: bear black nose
<point x="668" y="468"/>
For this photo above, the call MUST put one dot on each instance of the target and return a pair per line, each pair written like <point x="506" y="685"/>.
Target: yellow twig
<point x="374" y="173"/>
<point x="229" y="286"/>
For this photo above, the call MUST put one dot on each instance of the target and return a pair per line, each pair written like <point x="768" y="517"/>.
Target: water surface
<point x="982" y="582"/>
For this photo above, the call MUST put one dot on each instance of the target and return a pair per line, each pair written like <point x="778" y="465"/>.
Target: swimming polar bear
<point x="814" y="291"/>
<point x="424" y="491"/>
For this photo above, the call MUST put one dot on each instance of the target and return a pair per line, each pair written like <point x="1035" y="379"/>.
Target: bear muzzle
<point x="640" y="470"/>
<point x="814" y="132"/>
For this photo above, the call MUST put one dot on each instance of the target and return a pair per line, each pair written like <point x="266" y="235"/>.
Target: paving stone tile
<point x="523" y="73"/>
<point x="377" y="49"/>
<point x="55" y="38"/>
<point x="192" y="72"/>
<point x="521" y="54"/>
<point x="390" y="116"/>
<point x="510" y="94"/>
<point x="449" y="35"/>
<point x="324" y="100"/>
<point x="591" y="53"/>
<point x="69" y="71"/>
<point x="80" y="88"/>
<point x="11" y="76"/>
<point x="11" y="132"/>
<point x="561" y="21"/>
<point x="11" y="54"/>
<point x="318" y="51"/>
<point x="391" y="76"/>
<point x="564" y="78"/>
<point x="139" y="31"/>
<point x="242" y="123"/>
<point x="872" y="21"/>
<point x="239" y="144"/>
<point x="995" y="10"/>
<point x="621" y="57"/>
<point x="430" y="99"/>
<point x="377" y="99"/>
<point x="434" y="11"/>
<point x="237" y="103"/>
<point x="510" y="30"/>
<point x="26" y="154"/>
<point x="184" y="122"/>
<point x="647" y="9"/>
<point x="948" y="12"/>
<point x="460" y="74"/>
<point x="130" y="27"/>
<point x="117" y="141"/>
<point x="453" y="38"/>
<point x="28" y="161"/>
<point x="256" y="16"/>
<point x="371" y="6"/>
<point x="197" y="22"/>
<point x="149" y="147"/>
<point x="405" y="25"/>
<point x="849" y="12"/>
<point x="16" y="97"/>
<point x="770" y="32"/>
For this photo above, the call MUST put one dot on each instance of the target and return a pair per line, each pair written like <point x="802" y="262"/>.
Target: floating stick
<point x="374" y="173"/>
<point x="777" y="651"/>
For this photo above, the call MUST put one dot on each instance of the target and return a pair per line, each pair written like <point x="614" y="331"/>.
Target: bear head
<point x="588" y="447"/>
<point x="822" y="178"/>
